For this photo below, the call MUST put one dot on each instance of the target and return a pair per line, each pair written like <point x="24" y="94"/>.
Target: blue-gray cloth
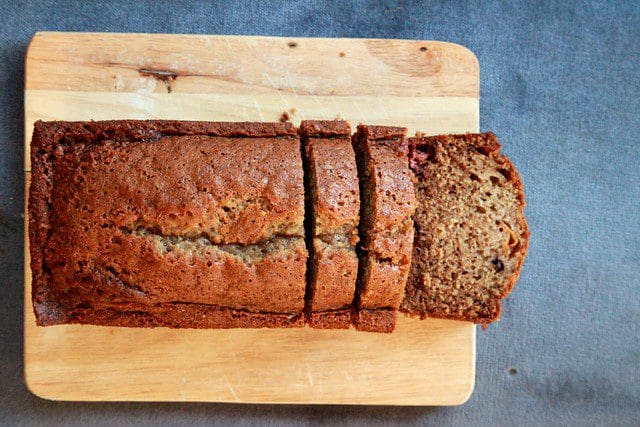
<point x="560" y="86"/>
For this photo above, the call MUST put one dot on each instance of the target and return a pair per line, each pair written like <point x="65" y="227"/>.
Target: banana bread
<point x="333" y="209"/>
<point x="202" y="225"/>
<point x="167" y="223"/>
<point x="386" y="227"/>
<point x="471" y="235"/>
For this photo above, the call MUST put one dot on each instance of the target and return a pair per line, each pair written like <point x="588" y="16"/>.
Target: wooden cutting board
<point x="424" y="85"/>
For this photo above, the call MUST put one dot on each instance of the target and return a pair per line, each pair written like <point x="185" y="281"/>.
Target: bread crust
<point x="330" y="319"/>
<point x="194" y="316"/>
<point x="378" y="320"/>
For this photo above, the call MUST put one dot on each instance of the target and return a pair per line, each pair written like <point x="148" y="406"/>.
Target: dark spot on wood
<point x="292" y="44"/>
<point x="165" y="76"/>
<point x="284" y="117"/>
<point x="423" y="49"/>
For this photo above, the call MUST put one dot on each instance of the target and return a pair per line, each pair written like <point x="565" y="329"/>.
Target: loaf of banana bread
<point x="167" y="223"/>
<point x="333" y="210"/>
<point x="386" y="227"/>
<point x="471" y="235"/>
<point x="202" y="225"/>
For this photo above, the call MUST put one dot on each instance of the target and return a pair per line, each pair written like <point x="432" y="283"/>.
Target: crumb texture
<point x="471" y="235"/>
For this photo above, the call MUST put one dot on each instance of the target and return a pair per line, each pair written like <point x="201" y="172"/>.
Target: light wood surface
<point x="424" y="85"/>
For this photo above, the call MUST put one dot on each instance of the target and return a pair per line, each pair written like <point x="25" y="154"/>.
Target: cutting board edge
<point x="463" y="48"/>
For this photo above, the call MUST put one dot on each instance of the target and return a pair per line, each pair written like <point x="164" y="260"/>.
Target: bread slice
<point x="386" y="228"/>
<point x="333" y="208"/>
<point x="471" y="235"/>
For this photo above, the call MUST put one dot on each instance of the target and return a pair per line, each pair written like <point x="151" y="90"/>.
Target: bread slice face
<point x="471" y="236"/>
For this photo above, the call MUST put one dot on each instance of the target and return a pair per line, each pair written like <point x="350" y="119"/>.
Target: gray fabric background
<point x="560" y="85"/>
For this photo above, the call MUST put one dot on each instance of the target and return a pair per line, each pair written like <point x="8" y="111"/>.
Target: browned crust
<point x="328" y="143"/>
<point x="194" y="316"/>
<point x="375" y="320"/>
<point x="140" y="130"/>
<point x="392" y="134"/>
<point x="384" y="284"/>
<point x="47" y="311"/>
<point x="387" y="144"/>
<point x="488" y="144"/>
<point x="46" y="138"/>
<point x="325" y="128"/>
<point x="334" y="319"/>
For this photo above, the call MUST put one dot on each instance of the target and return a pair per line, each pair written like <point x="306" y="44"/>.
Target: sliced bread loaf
<point x="471" y="235"/>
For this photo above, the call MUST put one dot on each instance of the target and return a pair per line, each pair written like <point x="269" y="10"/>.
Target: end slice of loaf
<point x="471" y="235"/>
<point x="333" y="208"/>
<point x="386" y="228"/>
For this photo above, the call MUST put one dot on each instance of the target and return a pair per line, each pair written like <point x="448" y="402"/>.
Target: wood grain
<point x="424" y="85"/>
<point x="256" y="65"/>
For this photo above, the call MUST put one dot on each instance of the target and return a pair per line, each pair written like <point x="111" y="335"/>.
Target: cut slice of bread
<point x="386" y="228"/>
<point x="471" y="236"/>
<point x="333" y="209"/>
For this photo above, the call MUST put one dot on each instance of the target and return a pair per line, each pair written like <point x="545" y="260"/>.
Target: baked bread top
<point x="161" y="211"/>
<point x="336" y="206"/>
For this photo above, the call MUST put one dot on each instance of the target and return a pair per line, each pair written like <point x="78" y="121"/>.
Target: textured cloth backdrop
<point x="560" y="85"/>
